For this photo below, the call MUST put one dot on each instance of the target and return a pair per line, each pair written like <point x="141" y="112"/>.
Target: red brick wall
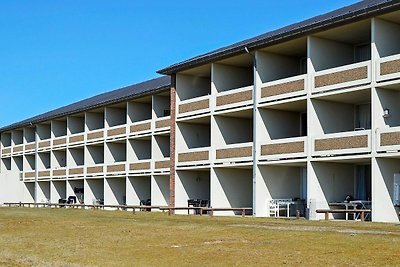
<point x="172" y="142"/>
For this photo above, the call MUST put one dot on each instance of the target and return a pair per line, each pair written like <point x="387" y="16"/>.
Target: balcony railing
<point x="30" y="146"/>
<point x="194" y="106"/>
<point x="76" y="138"/>
<point x="344" y="76"/>
<point x="293" y="147"/>
<point x="116" y="168"/>
<point x="18" y="149"/>
<point x="163" y="123"/>
<point x="234" y="98"/>
<point x="388" y="139"/>
<point x="95" y="135"/>
<point x="235" y="152"/>
<point x="284" y="88"/>
<point x="116" y="131"/>
<point x="342" y="143"/>
<point x="44" y="144"/>
<point x="162" y="164"/>
<point x="58" y="142"/>
<point x="6" y="151"/>
<point x="194" y="156"/>
<point x="140" y="127"/>
<point x="95" y="170"/>
<point x="45" y="174"/>
<point x="140" y="166"/>
<point x="60" y="172"/>
<point x="388" y="68"/>
<point x="76" y="171"/>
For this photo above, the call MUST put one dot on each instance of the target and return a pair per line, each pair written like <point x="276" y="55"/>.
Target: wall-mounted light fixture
<point x="386" y="113"/>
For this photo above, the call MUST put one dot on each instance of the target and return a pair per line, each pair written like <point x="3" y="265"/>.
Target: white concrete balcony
<point x="162" y="165"/>
<point x="59" y="173"/>
<point x="194" y="106"/>
<point x="285" y="148"/>
<point x="95" y="136"/>
<point x="234" y="98"/>
<point x="76" y="139"/>
<point x="116" y="132"/>
<point x="117" y="168"/>
<point x="140" y="166"/>
<point x="6" y="152"/>
<point x="354" y="142"/>
<point x="162" y="124"/>
<point x="95" y="170"/>
<point x="241" y="152"/>
<point x="283" y="88"/>
<point x="76" y="172"/>
<point x="388" y="68"/>
<point x="44" y="174"/>
<point x="388" y="139"/>
<point x="59" y="142"/>
<point x="194" y="156"/>
<point x="140" y="127"/>
<point x="29" y="175"/>
<point x="343" y="76"/>
<point x="18" y="150"/>
<point x="44" y="145"/>
<point x="30" y="147"/>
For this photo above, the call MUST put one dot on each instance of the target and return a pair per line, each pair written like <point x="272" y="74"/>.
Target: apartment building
<point x="307" y="114"/>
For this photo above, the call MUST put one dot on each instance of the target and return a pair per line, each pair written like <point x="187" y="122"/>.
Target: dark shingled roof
<point x="132" y="91"/>
<point x="357" y="11"/>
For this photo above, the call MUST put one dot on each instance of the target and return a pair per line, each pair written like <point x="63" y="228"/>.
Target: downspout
<point x="254" y="152"/>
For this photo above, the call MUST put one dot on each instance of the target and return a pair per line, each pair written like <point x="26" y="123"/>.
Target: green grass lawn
<point x="74" y="237"/>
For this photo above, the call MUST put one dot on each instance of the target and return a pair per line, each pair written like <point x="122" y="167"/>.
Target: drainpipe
<point x="254" y="154"/>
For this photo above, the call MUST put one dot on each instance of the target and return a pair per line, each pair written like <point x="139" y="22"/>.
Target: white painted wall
<point x="94" y="120"/>
<point x="94" y="154"/>
<point x="161" y="147"/>
<point x="138" y="188"/>
<point x="115" y="152"/>
<point x="29" y="162"/>
<point x="94" y="189"/>
<point x="115" y="116"/>
<point x="386" y="37"/>
<point x="387" y="99"/>
<point x="276" y="182"/>
<point x="29" y="134"/>
<point x="43" y="131"/>
<point x="58" y="128"/>
<point x="383" y="170"/>
<point x="44" y="160"/>
<point x="75" y="157"/>
<point x="71" y="185"/>
<point x="188" y="86"/>
<point x="272" y="66"/>
<point x="76" y="124"/>
<point x="139" y="149"/>
<point x="332" y="117"/>
<point x="231" y="188"/>
<point x="43" y="191"/>
<point x="114" y="191"/>
<point x="11" y="189"/>
<point x="325" y="54"/>
<point x="329" y="182"/>
<point x="228" y="132"/>
<point x="28" y="192"/>
<point x="160" y="192"/>
<point x="192" y="135"/>
<point x="191" y="184"/>
<point x="17" y="137"/>
<point x="160" y="104"/>
<point x="139" y="111"/>
<point x="58" y="189"/>
<point x="226" y="77"/>
<point x="280" y="124"/>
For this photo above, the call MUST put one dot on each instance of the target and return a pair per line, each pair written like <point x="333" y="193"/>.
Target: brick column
<point x="172" y="142"/>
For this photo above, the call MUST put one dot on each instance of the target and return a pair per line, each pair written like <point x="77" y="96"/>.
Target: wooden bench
<point x="243" y="210"/>
<point x="327" y="211"/>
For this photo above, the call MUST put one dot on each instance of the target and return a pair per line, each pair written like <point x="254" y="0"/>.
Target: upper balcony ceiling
<point x="202" y="71"/>
<point x="244" y="61"/>
<point x="294" y="48"/>
<point x="354" y="33"/>
<point x="393" y="17"/>
<point x="354" y="97"/>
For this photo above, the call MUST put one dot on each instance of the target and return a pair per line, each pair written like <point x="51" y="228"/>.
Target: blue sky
<point x="53" y="53"/>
